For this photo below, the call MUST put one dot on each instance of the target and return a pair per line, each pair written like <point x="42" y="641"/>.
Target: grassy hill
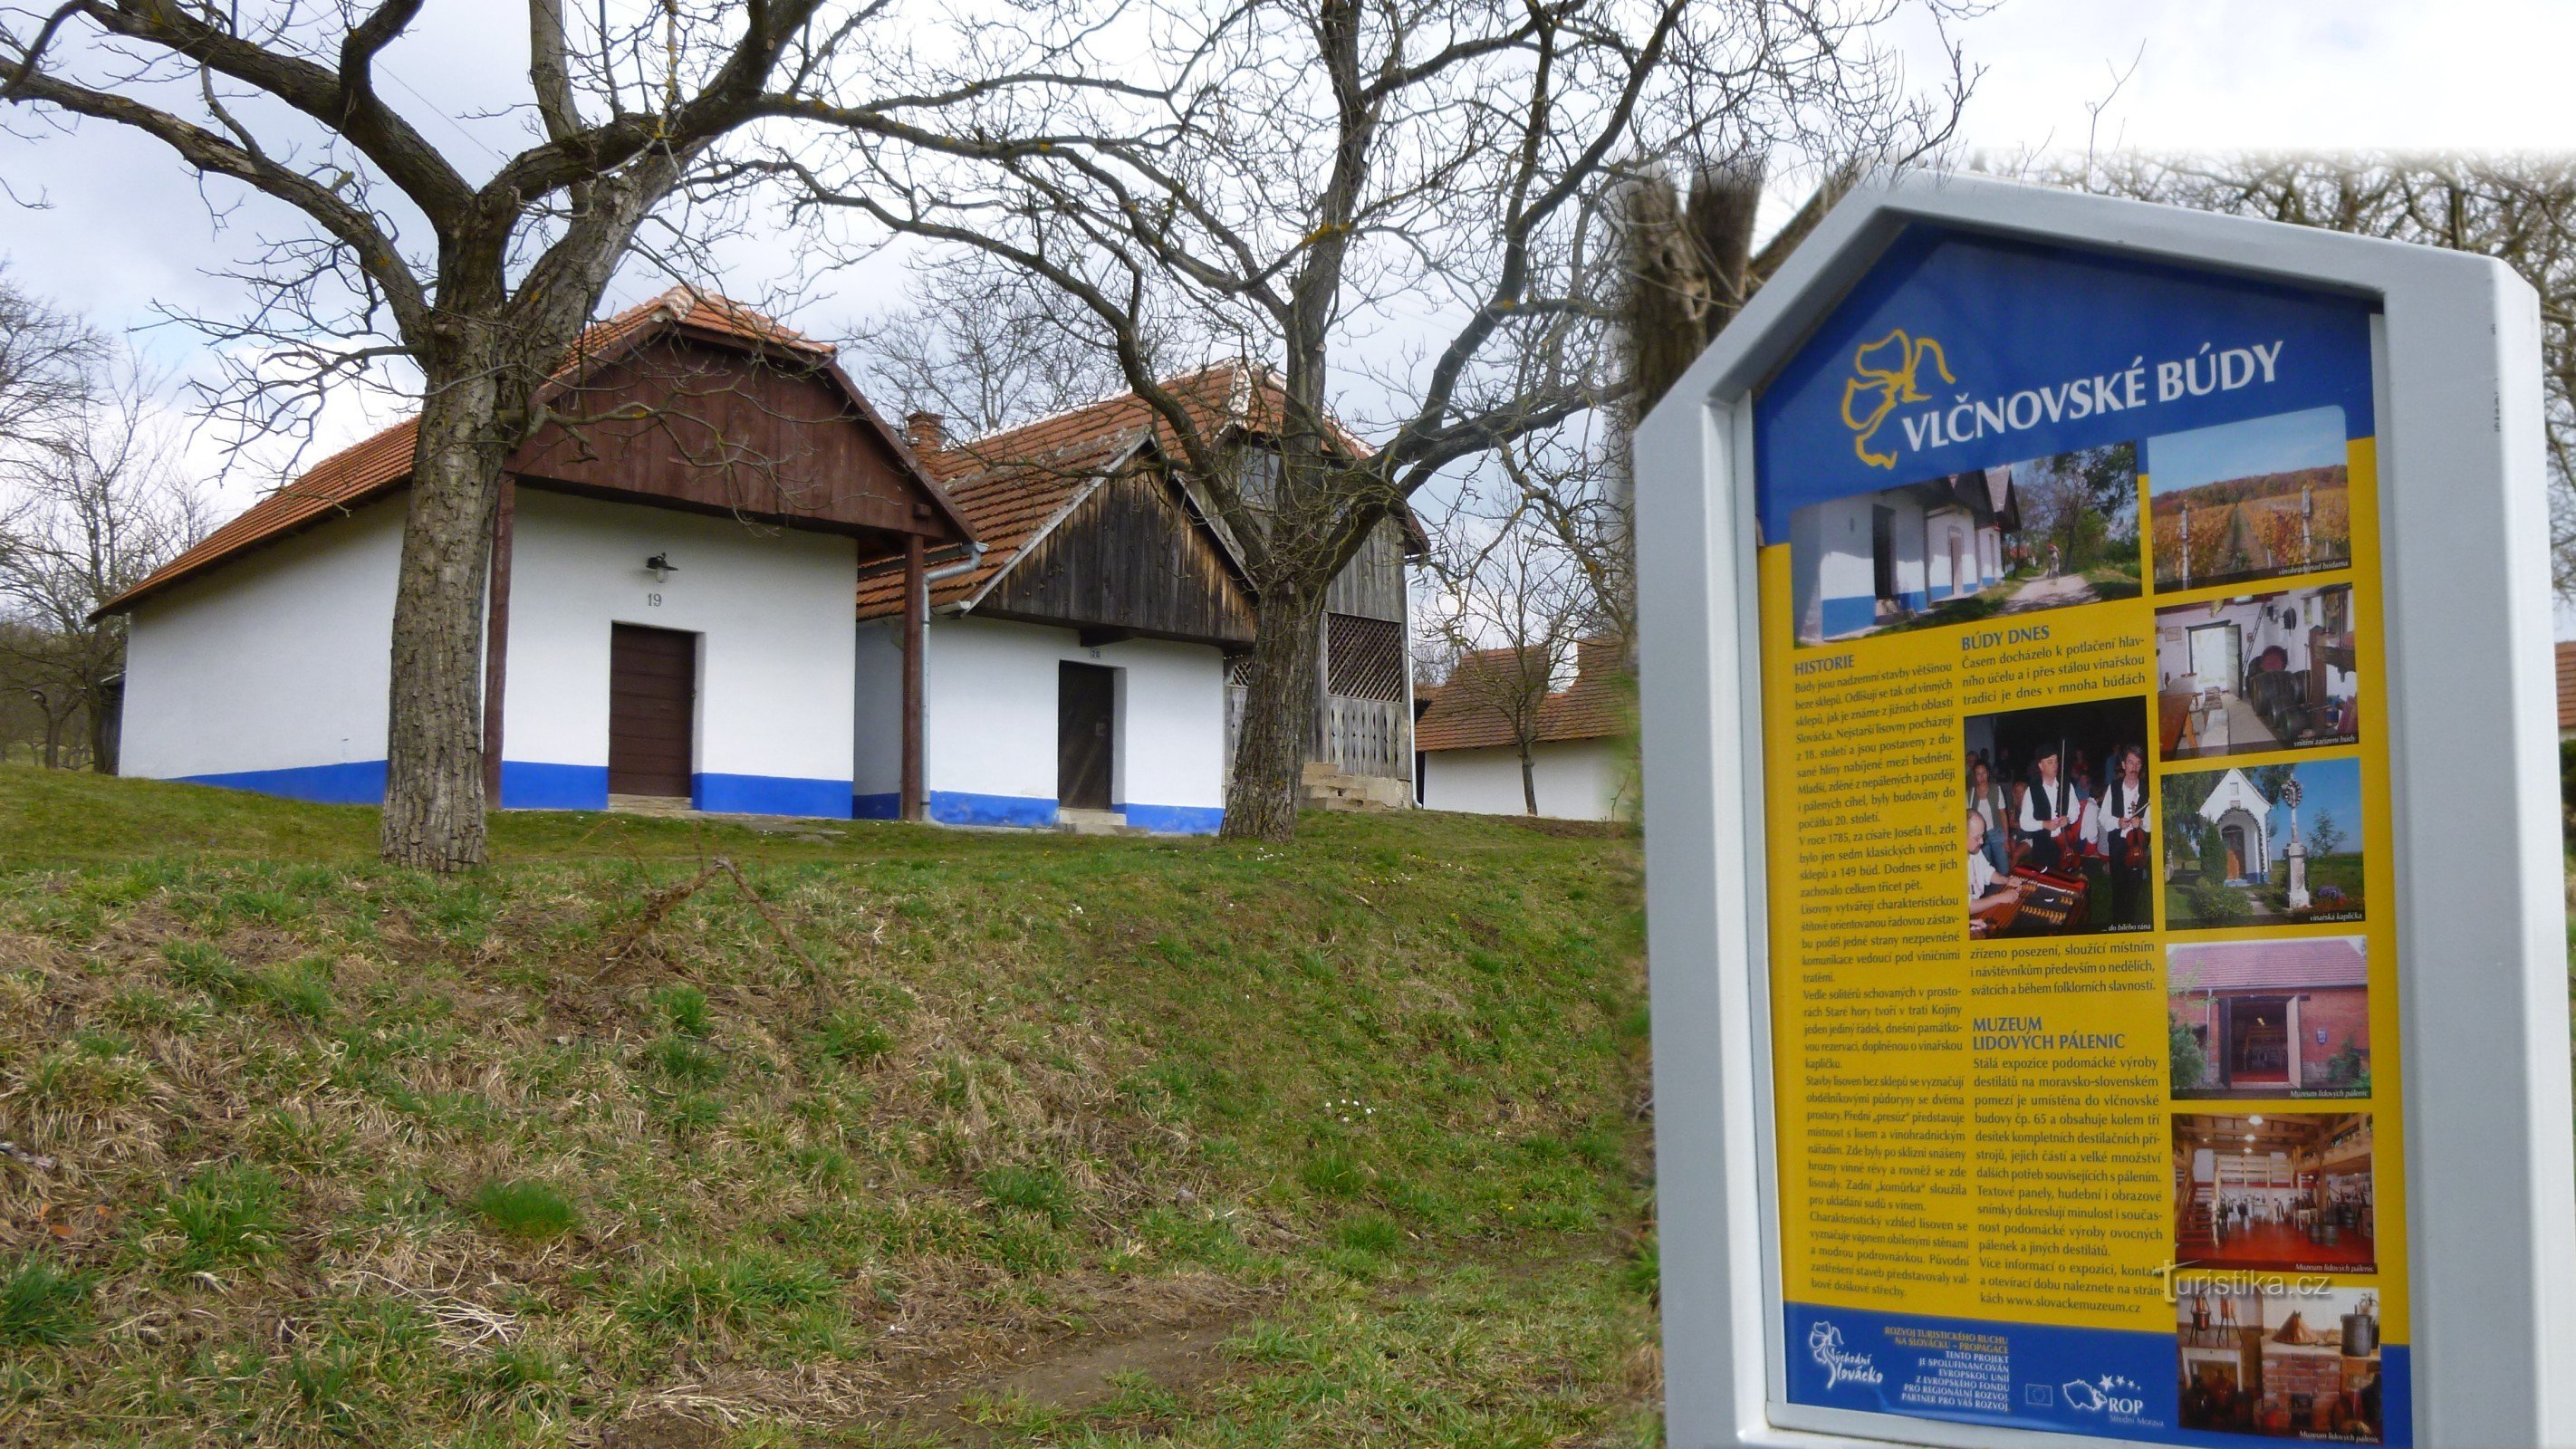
<point x="661" y="1133"/>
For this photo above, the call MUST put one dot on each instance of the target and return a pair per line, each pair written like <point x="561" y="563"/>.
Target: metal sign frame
<point x="2490" y="1171"/>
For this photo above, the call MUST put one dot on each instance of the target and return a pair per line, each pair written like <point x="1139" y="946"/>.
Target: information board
<point x="2083" y="978"/>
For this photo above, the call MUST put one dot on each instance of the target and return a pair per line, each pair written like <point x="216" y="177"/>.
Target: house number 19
<point x="652" y="601"/>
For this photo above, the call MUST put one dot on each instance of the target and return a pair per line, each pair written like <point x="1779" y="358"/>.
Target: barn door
<point x="1086" y="709"/>
<point x="652" y="704"/>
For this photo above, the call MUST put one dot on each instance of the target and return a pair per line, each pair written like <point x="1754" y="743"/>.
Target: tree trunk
<point x="434" y="750"/>
<point x="1529" y="779"/>
<point x="102" y="730"/>
<point x="1278" y="701"/>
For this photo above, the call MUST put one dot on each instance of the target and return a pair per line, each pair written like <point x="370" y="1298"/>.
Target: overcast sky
<point x="126" y="229"/>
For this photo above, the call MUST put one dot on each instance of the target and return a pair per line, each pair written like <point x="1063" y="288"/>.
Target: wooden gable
<point x="765" y="434"/>
<point x="1129" y="559"/>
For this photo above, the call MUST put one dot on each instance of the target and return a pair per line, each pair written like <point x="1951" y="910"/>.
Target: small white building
<point x="1074" y="657"/>
<point x="667" y="617"/>
<point x="1581" y="754"/>
<point x="1861" y="562"/>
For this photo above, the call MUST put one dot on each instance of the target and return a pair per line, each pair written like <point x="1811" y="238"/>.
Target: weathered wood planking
<point x="1368" y="737"/>
<point x="1129" y="558"/>
<point x="716" y="430"/>
<point x="1372" y="584"/>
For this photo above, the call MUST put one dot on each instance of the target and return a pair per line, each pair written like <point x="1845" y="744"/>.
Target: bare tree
<point x="2520" y="209"/>
<point x="1510" y="599"/>
<point x="1400" y="202"/>
<point x="481" y="287"/>
<point x="46" y="358"/>
<point x="986" y="346"/>
<point x="95" y="503"/>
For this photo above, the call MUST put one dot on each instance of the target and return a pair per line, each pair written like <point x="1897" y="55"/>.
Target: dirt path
<point x="2051" y="593"/>
<point x="1075" y="1375"/>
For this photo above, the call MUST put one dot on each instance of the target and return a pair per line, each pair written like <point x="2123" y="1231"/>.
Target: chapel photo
<point x="2257" y="672"/>
<point x="2264" y="845"/>
<point x="2059" y="820"/>
<point x="2277" y="1192"/>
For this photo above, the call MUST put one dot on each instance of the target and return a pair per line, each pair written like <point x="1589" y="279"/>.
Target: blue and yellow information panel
<point x="2083" y="968"/>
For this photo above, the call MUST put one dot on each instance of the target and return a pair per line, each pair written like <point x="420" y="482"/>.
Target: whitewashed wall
<point x="271" y="673"/>
<point x="989" y="724"/>
<point x="776" y="680"/>
<point x="1576" y="780"/>
<point x="1833" y="578"/>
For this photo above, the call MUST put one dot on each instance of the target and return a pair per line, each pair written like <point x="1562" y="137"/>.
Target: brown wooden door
<point x="1086" y="709"/>
<point x="652" y="703"/>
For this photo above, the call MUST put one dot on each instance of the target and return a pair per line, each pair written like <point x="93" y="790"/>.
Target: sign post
<point x="2104" y="880"/>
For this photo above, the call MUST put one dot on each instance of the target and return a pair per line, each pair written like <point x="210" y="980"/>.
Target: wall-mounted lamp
<point x="661" y="567"/>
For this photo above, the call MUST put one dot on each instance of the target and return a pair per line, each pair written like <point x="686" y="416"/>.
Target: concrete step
<point x="1093" y="822"/>
<point x="1329" y="789"/>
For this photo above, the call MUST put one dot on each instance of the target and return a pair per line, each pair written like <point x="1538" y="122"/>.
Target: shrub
<point x="2189" y="1063"/>
<point x="2212" y="904"/>
<point x="526" y="1210"/>
<point x="41" y="1303"/>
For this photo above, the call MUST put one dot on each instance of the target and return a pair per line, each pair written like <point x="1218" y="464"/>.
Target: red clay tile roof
<point x="2567" y="686"/>
<point x="1013" y="484"/>
<point x="1468" y="712"/>
<point x="2261" y="965"/>
<point x="347" y="478"/>
<point x="1009" y="506"/>
<point x="363" y="471"/>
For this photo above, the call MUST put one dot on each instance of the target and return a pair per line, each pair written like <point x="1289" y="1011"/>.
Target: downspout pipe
<point x="974" y="559"/>
<point x="915" y="794"/>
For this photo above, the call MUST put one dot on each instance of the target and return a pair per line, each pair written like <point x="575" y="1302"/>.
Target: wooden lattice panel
<point x="1365" y="658"/>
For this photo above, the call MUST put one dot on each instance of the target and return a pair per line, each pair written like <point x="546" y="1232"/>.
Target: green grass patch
<point x="42" y="1302"/>
<point x="1361" y="1103"/>
<point x="227" y="1216"/>
<point x="527" y="1210"/>
<point x="1039" y="1190"/>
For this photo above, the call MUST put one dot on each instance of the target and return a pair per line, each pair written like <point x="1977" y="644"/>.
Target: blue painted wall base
<point x="535" y="785"/>
<point x="959" y="807"/>
<point x="357" y="782"/>
<point x="1175" y="819"/>
<point x="771" y="795"/>
<point x="538" y="785"/>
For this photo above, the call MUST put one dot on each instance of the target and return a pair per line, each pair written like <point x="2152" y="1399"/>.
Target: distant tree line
<point x="92" y="499"/>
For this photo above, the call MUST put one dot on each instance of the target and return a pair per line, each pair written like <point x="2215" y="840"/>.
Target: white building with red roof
<point x="1042" y="634"/>
<point x="1581" y="762"/>
<point x="1078" y="654"/>
<point x="669" y="605"/>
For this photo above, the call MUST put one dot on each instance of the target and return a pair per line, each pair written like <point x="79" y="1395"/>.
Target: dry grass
<point x="318" y="1151"/>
